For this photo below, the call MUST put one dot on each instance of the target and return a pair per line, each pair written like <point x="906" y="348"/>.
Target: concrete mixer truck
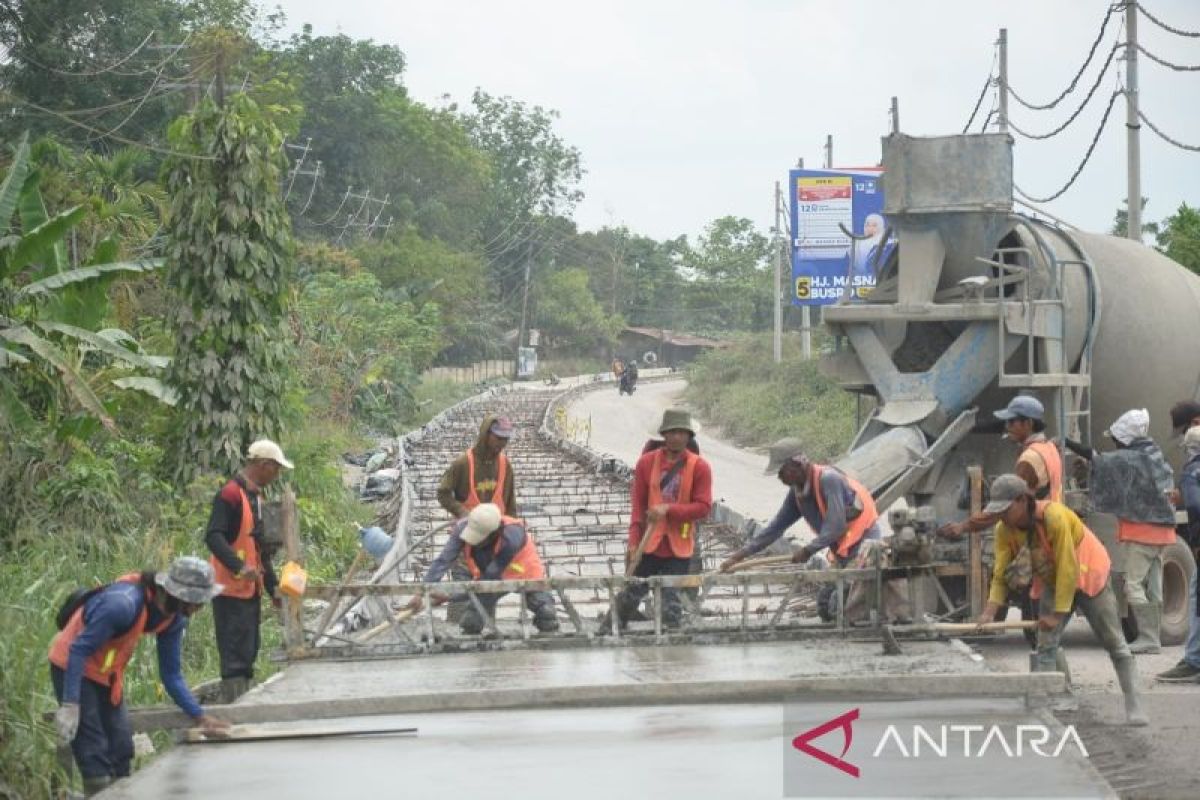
<point x="977" y="303"/>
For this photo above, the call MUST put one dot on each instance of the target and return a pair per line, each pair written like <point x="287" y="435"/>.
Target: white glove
<point x="66" y="720"/>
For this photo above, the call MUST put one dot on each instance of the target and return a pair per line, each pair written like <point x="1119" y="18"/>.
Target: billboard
<point x="826" y="263"/>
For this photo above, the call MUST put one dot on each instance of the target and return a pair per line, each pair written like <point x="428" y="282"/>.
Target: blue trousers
<point x="103" y="747"/>
<point x="1191" y="648"/>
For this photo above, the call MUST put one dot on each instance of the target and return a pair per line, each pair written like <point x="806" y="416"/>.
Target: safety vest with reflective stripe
<point x="680" y="535"/>
<point x="106" y="666"/>
<point x="526" y="565"/>
<point x="857" y="526"/>
<point x="497" y="493"/>
<point x="1094" y="563"/>
<point x="247" y="550"/>
<point x="1054" y="468"/>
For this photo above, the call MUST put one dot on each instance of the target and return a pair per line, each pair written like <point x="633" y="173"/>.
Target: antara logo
<point x="942" y="741"/>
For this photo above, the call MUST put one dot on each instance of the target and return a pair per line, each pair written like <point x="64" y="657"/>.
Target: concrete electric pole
<point x="1133" y="197"/>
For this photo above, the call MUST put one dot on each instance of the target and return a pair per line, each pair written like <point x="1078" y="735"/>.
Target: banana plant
<point x="50" y="313"/>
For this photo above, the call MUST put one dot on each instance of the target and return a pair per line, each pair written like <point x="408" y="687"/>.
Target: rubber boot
<point x="92" y="786"/>
<point x="1127" y="677"/>
<point x="1069" y="701"/>
<point x="1149" y="620"/>
<point x="233" y="688"/>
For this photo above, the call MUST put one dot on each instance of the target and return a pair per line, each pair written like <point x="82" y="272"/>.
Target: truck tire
<point x="1178" y="566"/>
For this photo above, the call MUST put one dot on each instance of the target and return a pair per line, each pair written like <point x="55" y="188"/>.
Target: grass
<point x="756" y="401"/>
<point x="108" y="514"/>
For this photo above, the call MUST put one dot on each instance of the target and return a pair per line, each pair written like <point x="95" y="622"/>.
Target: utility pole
<point x="895" y="114"/>
<point x="778" y="293"/>
<point x="1133" y="124"/>
<point x="524" y="312"/>
<point x="829" y="151"/>
<point x="1002" y="116"/>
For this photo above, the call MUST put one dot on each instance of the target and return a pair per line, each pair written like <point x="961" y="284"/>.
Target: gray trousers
<point x="1143" y="572"/>
<point x="1100" y="612"/>
<point x="540" y="604"/>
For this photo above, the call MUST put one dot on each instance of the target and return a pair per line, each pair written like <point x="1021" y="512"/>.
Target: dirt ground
<point x="1153" y="762"/>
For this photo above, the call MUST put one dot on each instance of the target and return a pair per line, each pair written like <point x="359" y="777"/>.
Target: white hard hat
<point x="266" y="450"/>
<point x="481" y="522"/>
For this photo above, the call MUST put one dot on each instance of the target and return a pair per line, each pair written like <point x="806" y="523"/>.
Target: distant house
<point x="663" y="347"/>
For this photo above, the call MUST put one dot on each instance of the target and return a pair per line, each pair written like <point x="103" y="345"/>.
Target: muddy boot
<point x="233" y="688"/>
<point x="92" y="786"/>
<point x="1149" y="620"/>
<point x="1127" y="677"/>
<point x="1068" y="701"/>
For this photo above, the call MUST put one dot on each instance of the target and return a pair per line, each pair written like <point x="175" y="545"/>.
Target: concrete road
<point x="621" y="424"/>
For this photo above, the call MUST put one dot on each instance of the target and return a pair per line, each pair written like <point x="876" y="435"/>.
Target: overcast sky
<point x="688" y="111"/>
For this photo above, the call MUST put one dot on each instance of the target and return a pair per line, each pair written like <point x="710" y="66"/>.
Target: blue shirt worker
<point x="842" y="513"/>
<point x="494" y="547"/>
<point x="89" y="655"/>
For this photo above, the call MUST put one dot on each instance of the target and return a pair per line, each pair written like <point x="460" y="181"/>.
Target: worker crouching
<point x="494" y="548"/>
<point x="1044" y="544"/>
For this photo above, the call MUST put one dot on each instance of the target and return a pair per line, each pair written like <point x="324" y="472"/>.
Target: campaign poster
<point x="828" y="265"/>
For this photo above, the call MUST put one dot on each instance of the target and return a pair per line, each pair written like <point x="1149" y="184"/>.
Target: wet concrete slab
<point x="693" y="751"/>
<point x="611" y="666"/>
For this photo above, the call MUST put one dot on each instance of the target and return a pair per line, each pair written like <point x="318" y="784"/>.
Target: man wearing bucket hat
<point x="89" y="654"/>
<point x="493" y="547"/>
<point x="1044" y="545"/>
<point x="242" y="563"/>
<point x="836" y="506"/>
<point x="671" y="492"/>
<point x="1135" y="483"/>
<point x="1039" y="463"/>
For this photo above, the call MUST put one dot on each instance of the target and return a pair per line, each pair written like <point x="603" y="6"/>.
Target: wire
<point x="1086" y="100"/>
<point x="988" y="120"/>
<point x="131" y="142"/>
<point x="1165" y="26"/>
<point x="91" y="73"/>
<point x="1168" y="64"/>
<point x="1165" y="137"/>
<point x="1074" y="81"/>
<point x="979" y="101"/>
<point x="1086" y="157"/>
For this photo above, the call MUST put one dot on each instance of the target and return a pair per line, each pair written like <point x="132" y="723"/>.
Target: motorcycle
<point x="628" y="381"/>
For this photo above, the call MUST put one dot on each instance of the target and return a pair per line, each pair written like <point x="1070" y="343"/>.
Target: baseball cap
<point x="1022" y="405"/>
<point x="266" y="450"/>
<point x="483" y="519"/>
<point x="1004" y="492"/>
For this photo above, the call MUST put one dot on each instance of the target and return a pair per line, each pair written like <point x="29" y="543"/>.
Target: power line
<point x="1164" y="136"/>
<point x="1074" y="81"/>
<point x="982" y="94"/>
<point x="1165" y="26"/>
<point x="1086" y="157"/>
<point x="1168" y="64"/>
<point x="1086" y="100"/>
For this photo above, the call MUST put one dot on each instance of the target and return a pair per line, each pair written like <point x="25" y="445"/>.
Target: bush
<point x="756" y="401"/>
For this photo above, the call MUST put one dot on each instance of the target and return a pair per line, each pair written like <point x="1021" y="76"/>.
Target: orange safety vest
<point x="679" y="534"/>
<point x="1094" y="563"/>
<point x="497" y="493"/>
<point x="1144" y="533"/>
<point x="526" y="565"/>
<point x="1054" y="468"/>
<point x="247" y="550"/>
<point x="858" y="526"/>
<point x="106" y="666"/>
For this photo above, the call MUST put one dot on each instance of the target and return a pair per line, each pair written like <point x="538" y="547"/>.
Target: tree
<point x="730" y="267"/>
<point x="229" y="243"/>
<point x="1121" y="221"/>
<point x="1179" y="238"/>
<point x="570" y="315"/>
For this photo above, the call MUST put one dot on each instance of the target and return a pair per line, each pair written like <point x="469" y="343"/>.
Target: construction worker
<point x="242" y="563"/>
<point x="1145" y="516"/>
<point x="1188" y="668"/>
<point x="494" y="547"/>
<point x="1043" y="544"/>
<point x="672" y="491"/>
<point x="482" y="474"/>
<point x="89" y="655"/>
<point x="840" y="510"/>
<point x="1039" y="463"/>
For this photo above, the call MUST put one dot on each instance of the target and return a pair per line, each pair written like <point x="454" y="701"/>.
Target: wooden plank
<point x="289" y="521"/>
<point x="257" y="733"/>
<point x="975" y="580"/>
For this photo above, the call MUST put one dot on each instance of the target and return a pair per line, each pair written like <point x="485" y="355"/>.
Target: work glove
<point x="66" y="721"/>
